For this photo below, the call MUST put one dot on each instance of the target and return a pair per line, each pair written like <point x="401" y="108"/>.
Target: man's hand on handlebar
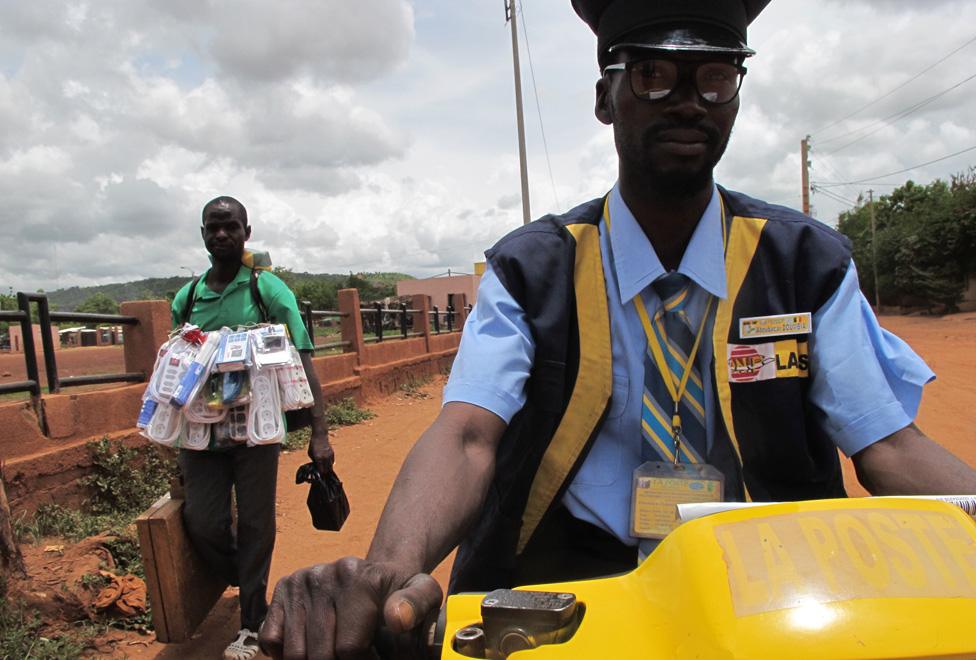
<point x="334" y="610"/>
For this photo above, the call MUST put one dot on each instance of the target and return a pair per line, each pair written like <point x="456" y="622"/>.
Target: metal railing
<point x="448" y="314"/>
<point x="309" y="315"/>
<point x="23" y="316"/>
<point x="375" y="318"/>
<point x="45" y="318"/>
<point x="402" y="313"/>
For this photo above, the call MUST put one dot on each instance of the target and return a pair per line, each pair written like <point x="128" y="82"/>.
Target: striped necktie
<point x="673" y="331"/>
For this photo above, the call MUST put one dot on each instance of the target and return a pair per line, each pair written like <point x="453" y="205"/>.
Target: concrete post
<point x="352" y="323"/>
<point x="142" y="341"/>
<point x="421" y="318"/>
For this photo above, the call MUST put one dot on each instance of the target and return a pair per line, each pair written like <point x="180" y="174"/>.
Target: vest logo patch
<point x="773" y="326"/>
<point x="787" y="358"/>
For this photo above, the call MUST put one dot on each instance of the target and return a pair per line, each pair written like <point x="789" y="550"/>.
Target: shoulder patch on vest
<point x="787" y="358"/>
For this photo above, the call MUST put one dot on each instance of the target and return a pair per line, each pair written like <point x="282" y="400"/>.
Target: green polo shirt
<point x="235" y="306"/>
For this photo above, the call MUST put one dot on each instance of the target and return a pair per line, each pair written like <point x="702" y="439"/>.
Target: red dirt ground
<point x="369" y="455"/>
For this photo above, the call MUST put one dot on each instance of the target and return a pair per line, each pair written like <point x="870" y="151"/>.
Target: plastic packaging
<point x="295" y="391"/>
<point x="197" y="371"/>
<point x="264" y="419"/>
<point x="234" y="353"/>
<point x="235" y="388"/>
<point x="237" y="423"/>
<point x="271" y="346"/>
<point x="213" y="392"/>
<point x="170" y="368"/>
<point x="197" y="436"/>
<point x="146" y="412"/>
<point x="165" y="426"/>
<point x="199" y="412"/>
<point x="224" y="388"/>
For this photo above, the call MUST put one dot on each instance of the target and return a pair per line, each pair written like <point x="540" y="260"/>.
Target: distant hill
<point x="160" y="288"/>
<point x="149" y="289"/>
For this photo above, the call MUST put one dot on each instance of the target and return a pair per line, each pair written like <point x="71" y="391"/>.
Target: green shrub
<point x="125" y="551"/>
<point x="20" y="636"/>
<point x="123" y="483"/>
<point x="412" y="387"/>
<point x="296" y="440"/>
<point x="69" y="524"/>
<point x="126" y="479"/>
<point x="342" y="413"/>
<point x="347" y="412"/>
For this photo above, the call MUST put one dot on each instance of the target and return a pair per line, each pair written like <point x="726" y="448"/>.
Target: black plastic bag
<point x="327" y="500"/>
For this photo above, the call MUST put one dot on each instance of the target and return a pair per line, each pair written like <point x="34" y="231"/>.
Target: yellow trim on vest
<point x="743" y="241"/>
<point x="594" y="381"/>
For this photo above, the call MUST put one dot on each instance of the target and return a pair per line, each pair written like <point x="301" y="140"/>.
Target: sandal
<point x="245" y="647"/>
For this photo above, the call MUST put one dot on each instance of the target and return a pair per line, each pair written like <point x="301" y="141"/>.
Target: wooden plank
<point x="158" y="608"/>
<point x="187" y="588"/>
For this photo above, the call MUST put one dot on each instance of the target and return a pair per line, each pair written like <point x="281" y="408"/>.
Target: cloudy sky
<point x="380" y="134"/>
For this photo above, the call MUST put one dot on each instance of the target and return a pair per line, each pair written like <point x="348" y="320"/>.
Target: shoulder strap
<point x="190" y="299"/>
<point x="256" y="295"/>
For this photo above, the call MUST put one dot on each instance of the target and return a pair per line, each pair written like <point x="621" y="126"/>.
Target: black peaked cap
<point x="611" y="20"/>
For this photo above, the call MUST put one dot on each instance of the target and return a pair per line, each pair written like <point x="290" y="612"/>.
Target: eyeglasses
<point x="717" y="83"/>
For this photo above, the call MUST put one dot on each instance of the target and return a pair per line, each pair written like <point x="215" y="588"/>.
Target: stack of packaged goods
<point x="227" y="386"/>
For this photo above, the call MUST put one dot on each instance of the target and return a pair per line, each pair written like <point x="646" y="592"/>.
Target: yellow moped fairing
<point x="857" y="578"/>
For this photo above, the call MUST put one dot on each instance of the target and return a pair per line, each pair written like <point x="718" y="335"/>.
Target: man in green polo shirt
<point x="222" y="297"/>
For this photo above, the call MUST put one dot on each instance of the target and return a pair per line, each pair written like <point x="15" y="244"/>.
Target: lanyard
<point x="676" y="390"/>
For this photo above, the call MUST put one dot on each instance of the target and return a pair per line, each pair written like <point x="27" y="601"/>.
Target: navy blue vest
<point x="768" y="444"/>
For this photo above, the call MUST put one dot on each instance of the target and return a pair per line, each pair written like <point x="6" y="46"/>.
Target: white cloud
<point x="380" y="134"/>
<point x="41" y="159"/>
<point x="262" y="41"/>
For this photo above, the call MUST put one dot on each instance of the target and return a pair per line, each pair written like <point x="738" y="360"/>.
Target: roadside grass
<point x="347" y="412"/>
<point x="21" y="635"/>
<point x="342" y="413"/>
<point x="123" y="483"/>
<point x="413" y="387"/>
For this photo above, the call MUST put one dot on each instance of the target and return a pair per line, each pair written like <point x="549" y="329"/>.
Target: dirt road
<point x="948" y="412"/>
<point x="85" y="361"/>
<point x="369" y="456"/>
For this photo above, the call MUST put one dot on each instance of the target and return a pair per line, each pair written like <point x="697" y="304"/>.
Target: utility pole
<point x="805" y="172"/>
<point x="874" y="255"/>
<point x="523" y="166"/>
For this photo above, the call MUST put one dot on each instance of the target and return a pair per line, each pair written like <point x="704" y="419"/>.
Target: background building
<point x="442" y="289"/>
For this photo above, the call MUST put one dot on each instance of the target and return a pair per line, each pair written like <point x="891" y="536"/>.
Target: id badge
<point x="660" y="486"/>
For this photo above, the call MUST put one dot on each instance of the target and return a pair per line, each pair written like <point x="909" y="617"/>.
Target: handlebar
<point x="511" y="621"/>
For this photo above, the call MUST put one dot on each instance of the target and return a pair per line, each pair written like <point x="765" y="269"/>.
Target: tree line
<point x="322" y="291"/>
<point x="319" y="289"/>
<point x="925" y="242"/>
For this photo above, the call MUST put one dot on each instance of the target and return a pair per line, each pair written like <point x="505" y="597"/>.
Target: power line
<point x="822" y="160"/>
<point x="835" y="184"/>
<point x="907" y="169"/>
<point x="834" y="196"/>
<point x="898" y="116"/>
<point x="538" y="107"/>
<point x="887" y="94"/>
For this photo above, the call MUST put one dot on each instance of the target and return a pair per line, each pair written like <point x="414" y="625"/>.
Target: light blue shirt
<point x="865" y="383"/>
